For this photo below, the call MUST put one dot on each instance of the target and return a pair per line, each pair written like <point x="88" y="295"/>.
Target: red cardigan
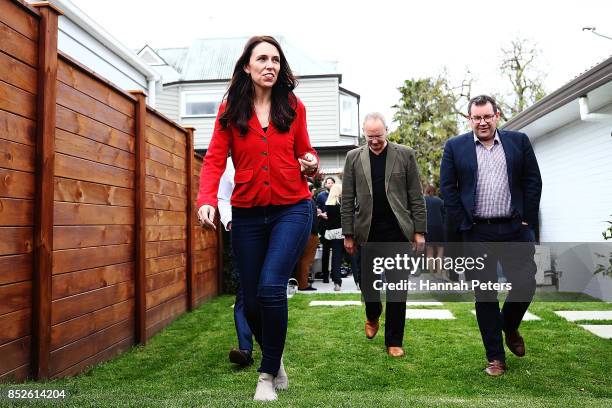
<point x="267" y="170"/>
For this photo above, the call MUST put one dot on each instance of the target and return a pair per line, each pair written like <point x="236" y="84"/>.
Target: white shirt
<point x="226" y="187"/>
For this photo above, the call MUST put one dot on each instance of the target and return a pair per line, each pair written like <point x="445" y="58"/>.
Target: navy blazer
<point x="459" y="173"/>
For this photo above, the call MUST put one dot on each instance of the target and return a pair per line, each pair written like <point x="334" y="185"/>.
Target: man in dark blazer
<point x="491" y="186"/>
<point x="382" y="201"/>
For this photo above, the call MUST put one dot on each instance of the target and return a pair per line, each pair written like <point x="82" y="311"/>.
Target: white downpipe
<point x="585" y="111"/>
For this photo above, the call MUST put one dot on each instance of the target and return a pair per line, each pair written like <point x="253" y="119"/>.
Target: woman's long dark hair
<point x="241" y="92"/>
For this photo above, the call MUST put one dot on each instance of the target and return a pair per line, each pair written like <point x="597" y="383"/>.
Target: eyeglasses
<point x="374" y="136"/>
<point x="477" y="119"/>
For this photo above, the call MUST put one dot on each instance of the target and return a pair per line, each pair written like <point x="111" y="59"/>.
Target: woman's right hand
<point x="206" y="215"/>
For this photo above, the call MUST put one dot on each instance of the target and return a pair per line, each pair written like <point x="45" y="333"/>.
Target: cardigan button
<point x="265" y="168"/>
<point x="267" y="183"/>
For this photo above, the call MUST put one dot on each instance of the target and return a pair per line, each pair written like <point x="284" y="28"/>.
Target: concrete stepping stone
<point x="528" y="316"/>
<point x="424" y="303"/>
<point x="600" y="330"/>
<point x="335" y="303"/>
<point x="434" y="314"/>
<point x="577" y="315"/>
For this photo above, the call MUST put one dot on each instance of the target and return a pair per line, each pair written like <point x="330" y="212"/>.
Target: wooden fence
<point x="99" y="244"/>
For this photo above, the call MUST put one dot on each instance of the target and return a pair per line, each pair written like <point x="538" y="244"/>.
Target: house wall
<point x="168" y="102"/>
<point x="84" y="48"/>
<point x="576" y="166"/>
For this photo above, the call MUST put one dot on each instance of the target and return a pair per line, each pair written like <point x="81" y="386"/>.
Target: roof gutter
<point x="75" y="14"/>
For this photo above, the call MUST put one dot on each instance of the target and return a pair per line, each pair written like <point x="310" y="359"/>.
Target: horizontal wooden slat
<point x="77" y="101"/>
<point x="81" y="236"/>
<point x="165" y="233"/>
<point x="18" y="46"/>
<point x="69" y="260"/>
<point x="16" y="156"/>
<point x="16" y="240"/>
<point x="18" y="19"/>
<point x="17" y="129"/>
<point x="158" y="186"/>
<point x="18" y="375"/>
<point x="164" y="248"/>
<point x="164" y="202"/>
<point x="17" y="73"/>
<point x="15" y="325"/>
<point x="166" y="311"/>
<point x="15" y="296"/>
<point x="83" y="326"/>
<point x="82" y="349"/>
<point x="80" y="169"/>
<point x="79" y="124"/>
<point x="163" y="279"/>
<point x="14" y="354"/>
<point x="16" y="212"/>
<point x="68" y="284"/>
<point x="78" y="191"/>
<point x="79" y="146"/>
<point x="15" y="268"/>
<point x="164" y="157"/>
<point x="159" y="296"/>
<point x="164" y="172"/>
<point x="163" y="126"/>
<point x="164" y="142"/>
<point x="76" y="78"/>
<point x="17" y="101"/>
<point x="104" y="355"/>
<point x="164" y="263"/>
<point x="78" y="305"/>
<point x="161" y="217"/>
<point x="91" y="214"/>
<point x="16" y="184"/>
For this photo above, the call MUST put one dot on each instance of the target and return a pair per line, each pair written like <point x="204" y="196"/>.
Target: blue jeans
<point x="267" y="242"/>
<point x="243" y="331"/>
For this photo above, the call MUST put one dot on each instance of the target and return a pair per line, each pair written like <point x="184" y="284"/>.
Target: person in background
<point x="263" y="124"/>
<point x="333" y="233"/>
<point x="307" y="258"/>
<point x="435" y="230"/>
<point x="322" y="213"/>
<point x="382" y="201"/>
<point x="491" y="185"/>
<point x="243" y="355"/>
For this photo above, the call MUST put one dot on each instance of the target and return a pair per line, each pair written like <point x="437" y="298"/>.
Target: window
<point x="348" y="116"/>
<point x="201" y="103"/>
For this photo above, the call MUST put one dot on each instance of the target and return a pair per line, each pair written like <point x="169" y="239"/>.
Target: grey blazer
<point x="402" y="184"/>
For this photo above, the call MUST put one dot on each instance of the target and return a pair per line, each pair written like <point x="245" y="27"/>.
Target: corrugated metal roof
<point x="214" y="59"/>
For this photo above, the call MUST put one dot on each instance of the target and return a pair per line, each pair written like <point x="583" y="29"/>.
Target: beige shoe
<point x="265" y="388"/>
<point x="395" y="351"/>
<point x="281" y="381"/>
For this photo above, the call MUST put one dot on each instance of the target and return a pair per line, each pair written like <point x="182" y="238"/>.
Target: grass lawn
<point x="330" y="363"/>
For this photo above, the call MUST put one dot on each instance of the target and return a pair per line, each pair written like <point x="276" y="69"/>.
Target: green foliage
<point x="605" y="270"/>
<point x="427" y="117"/>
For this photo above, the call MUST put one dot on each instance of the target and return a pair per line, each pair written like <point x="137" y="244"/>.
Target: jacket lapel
<point x="365" y="163"/>
<point x="391" y="156"/>
<point x="255" y="125"/>
<point x="508" y="153"/>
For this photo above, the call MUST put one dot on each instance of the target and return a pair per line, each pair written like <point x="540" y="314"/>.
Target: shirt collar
<point x="495" y="139"/>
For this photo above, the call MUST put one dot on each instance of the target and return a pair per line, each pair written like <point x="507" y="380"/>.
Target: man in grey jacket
<point x="382" y="201"/>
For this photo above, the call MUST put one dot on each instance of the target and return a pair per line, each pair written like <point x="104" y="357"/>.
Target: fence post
<point x="43" y="211"/>
<point x="139" y="209"/>
<point x="191" y="282"/>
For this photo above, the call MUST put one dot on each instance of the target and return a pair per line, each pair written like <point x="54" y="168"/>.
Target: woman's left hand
<point x="308" y="164"/>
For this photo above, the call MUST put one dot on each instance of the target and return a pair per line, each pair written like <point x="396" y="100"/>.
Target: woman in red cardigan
<point x="263" y="124"/>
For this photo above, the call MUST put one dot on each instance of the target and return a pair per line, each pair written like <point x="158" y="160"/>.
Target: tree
<point x="519" y="66"/>
<point x="426" y="117"/>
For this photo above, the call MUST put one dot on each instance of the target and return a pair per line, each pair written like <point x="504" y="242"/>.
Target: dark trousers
<point x="395" y="313"/>
<point x="267" y="242"/>
<point x="243" y="331"/>
<point x="519" y="268"/>
<point x="326" y="244"/>
<point x="337" y="247"/>
<point x="356" y="265"/>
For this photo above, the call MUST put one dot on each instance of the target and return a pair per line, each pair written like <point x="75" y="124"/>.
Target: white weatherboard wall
<point x="168" y="102"/>
<point x="204" y="125"/>
<point x="81" y="46"/>
<point x="576" y="165"/>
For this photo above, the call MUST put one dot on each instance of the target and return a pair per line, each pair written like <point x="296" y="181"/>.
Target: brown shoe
<point x="371" y="328"/>
<point x="395" y="351"/>
<point x="515" y="343"/>
<point x="495" y="368"/>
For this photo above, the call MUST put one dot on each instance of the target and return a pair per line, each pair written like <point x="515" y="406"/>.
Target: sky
<point x="379" y="44"/>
